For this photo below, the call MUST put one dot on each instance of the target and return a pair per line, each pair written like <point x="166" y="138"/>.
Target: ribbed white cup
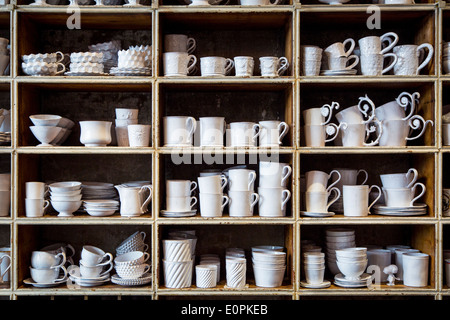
<point x="177" y="250"/>
<point x="206" y="275"/>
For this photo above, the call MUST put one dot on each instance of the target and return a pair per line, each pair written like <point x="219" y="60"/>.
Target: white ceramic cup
<point x="273" y="66"/>
<point x="272" y="202"/>
<point x="35" y="207"/>
<point x="215" y="66"/>
<point x="399" y="180"/>
<point x="126" y="114"/>
<point x="206" y="275"/>
<point x="242" y="203"/>
<point x="139" y="135"/>
<point x="35" y="190"/>
<point x="48" y="275"/>
<point x="342" y="62"/>
<point x="319" y="135"/>
<point x="212" y="130"/>
<point x="272" y="133"/>
<point x="311" y="60"/>
<point x="179" y="130"/>
<point x="373" y="64"/>
<point x="212" y="184"/>
<point x="412" y="59"/>
<point x="403" y="197"/>
<point x="397" y="132"/>
<point x="374" y="44"/>
<point x="212" y="204"/>
<point x="180" y="204"/>
<point x="241" y="179"/>
<point x="244" y="134"/>
<point x="396" y="109"/>
<point x="274" y="174"/>
<point x="46" y="260"/>
<point x="95" y="271"/>
<point x="244" y="66"/>
<point x="93" y="256"/>
<point x="355" y="135"/>
<point x="317" y="201"/>
<point x="178" y="64"/>
<point x="179" y="43"/>
<point x="415" y="269"/>
<point x="356" y="200"/>
<point x="358" y="114"/>
<point x="180" y="188"/>
<point x="319" y="116"/>
<point x="339" y="48"/>
<point x="446" y="134"/>
<point x="317" y="180"/>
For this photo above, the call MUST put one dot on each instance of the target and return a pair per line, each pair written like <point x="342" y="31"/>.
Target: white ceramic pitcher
<point x="131" y="203"/>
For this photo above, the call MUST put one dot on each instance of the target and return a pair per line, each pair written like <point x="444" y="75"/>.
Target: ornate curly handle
<point x="367" y="108"/>
<point x="333" y="130"/>
<point x="327" y="111"/>
<point x="405" y="99"/>
<point x="373" y="128"/>
<point x="415" y="122"/>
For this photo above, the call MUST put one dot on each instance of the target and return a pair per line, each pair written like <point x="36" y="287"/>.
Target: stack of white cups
<point x="179" y="195"/>
<point x="177" y="263"/>
<point x="272" y="190"/>
<point x="94" y="261"/>
<point x="236" y="271"/>
<point x="242" y="197"/>
<point x="318" y="191"/>
<point x="212" y="198"/>
<point x="35" y="203"/>
<point x="314" y="266"/>
<point x="45" y="267"/>
<point x="5" y="194"/>
<point x="317" y="129"/>
<point x="124" y="117"/>
<point x="399" y="189"/>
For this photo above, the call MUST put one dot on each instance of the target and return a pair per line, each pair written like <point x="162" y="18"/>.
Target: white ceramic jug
<point x="131" y="203"/>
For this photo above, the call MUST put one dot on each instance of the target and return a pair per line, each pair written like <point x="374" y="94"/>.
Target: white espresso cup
<point x="373" y="64"/>
<point x="273" y="66"/>
<point x="215" y="66"/>
<point x="403" y="197"/>
<point x="179" y="130"/>
<point x="242" y="203"/>
<point x="244" y="66"/>
<point x="178" y="64"/>
<point x="93" y="256"/>
<point x="180" y="204"/>
<point x="356" y="200"/>
<point x="212" y="204"/>
<point x="179" y="43"/>
<point x="272" y="133"/>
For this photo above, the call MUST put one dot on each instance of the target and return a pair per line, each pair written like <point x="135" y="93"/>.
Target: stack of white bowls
<point x="338" y="238"/>
<point x="65" y="197"/>
<point x="352" y="262"/>
<point x="131" y="268"/>
<point x="177" y="263"/>
<point x="50" y="129"/>
<point x="269" y="267"/>
<point x="314" y="267"/>
<point x="5" y="194"/>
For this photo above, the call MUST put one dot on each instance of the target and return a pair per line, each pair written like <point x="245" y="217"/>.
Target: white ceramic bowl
<point x="45" y="134"/>
<point x="267" y="248"/>
<point x="268" y="278"/>
<point x="126" y="271"/>
<point x="131" y="258"/>
<point x="268" y="256"/>
<point x="351" y="252"/>
<point x="65" y="186"/>
<point x="352" y="270"/>
<point x="95" y="133"/>
<point x="45" y="119"/>
<point x="66" y="198"/>
<point x="340" y="245"/>
<point x="66" y="208"/>
<point x="339" y="232"/>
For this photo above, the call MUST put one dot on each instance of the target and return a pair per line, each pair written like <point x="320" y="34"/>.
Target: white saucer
<point x="172" y="214"/>
<point x="416" y="210"/>
<point x="316" y="214"/>
<point x="338" y="72"/>
<point x="340" y="280"/>
<point x="30" y="281"/>
<point x="324" y="284"/>
<point x="144" y="279"/>
<point x="84" y="74"/>
<point x="89" y="283"/>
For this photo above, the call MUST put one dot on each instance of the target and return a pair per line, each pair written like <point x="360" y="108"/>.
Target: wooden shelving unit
<point x="228" y="31"/>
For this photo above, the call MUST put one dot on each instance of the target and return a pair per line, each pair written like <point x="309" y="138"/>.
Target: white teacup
<point x="241" y="179"/>
<point x="212" y="205"/>
<point x="180" y="188"/>
<point x="273" y="66"/>
<point x="48" y="275"/>
<point x="241" y="203"/>
<point x="212" y="130"/>
<point x="274" y="174"/>
<point x="139" y="135"/>
<point x="93" y="256"/>
<point x="412" y="59"/>
<point x="178" y="64"/>
<point x="94" y="271"/>
<point x="350" y="177"/>
<point x="342" y="63"/>
<point x="399" y="180"/>
<point x="363" y="112"/>
<point x="272" y="133"/>
<point x="212" y="184"/>
<point x="319" y="116"/>
<point x="272" y="201"/>
<point x="317" y="201"/>
<point x="179" y="43"/>
<point x="355" y="135"/>
<point x="126" y="114"/>
<point x="179" y="130"/>
<point x="396" y="132"/>
<point x="215" y="66"/>
<point x="338" y="49"/>
<point x="244" y="134"/>
<point x="372" y="64"/>
<point x="316" y="135"/>
<point x="403" y="197"/>
<point x="356" y="200"/>
<point x="35" y="207"/>
<point x="46" y="260"/>
<point x="374" y="44"/>
<point x="180" y="204"/>
<point x="318" y="180"/>
<point x="244" y="66"/>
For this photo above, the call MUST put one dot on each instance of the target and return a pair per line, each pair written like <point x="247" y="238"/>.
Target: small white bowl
<point x="95" y="133"/>
<point x="67" y="198"/>
<point x="352" y="270"/>
<point x="45" y="119"/>
<point x="66" y="208"/>
<point x="45" y="134"/>
<point x="268" y="278"/>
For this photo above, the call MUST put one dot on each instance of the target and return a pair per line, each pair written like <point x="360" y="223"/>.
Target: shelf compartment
<point x="254" y="34"/>
<point x="79" y="102"/>
<point x="108" y="168"/>
<point x="216" y="239"/>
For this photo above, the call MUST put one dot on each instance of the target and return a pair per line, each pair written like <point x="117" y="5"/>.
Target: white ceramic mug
<point x="316" y="135"/>
<point x="215" y="66"/>
<point x="179" y="130"/>
<point x="318" y="201"/>
<point x="127" y="114"/>
<point x="397" y="109"/>
<point x="212" y="184"/>
<point x="244" y="134"/>
<point x="399" y="180"/>
<point x="139" y="135"/>
<point x="241" y="203"/>
<point x="35" y="207"/>
<point x="363" y="112"/>
<point x="403" y="197"/>
<point x="179" y="43"/>
<point x="412" y="59"/>
<point x="356" y="200"/>
<point x="180" y="188"/>
<point x="244" y="66"/>
<point x="272" y="133"/>
<point x="180" y="204"/>
<point x="355" y="135"/>
<point x="35" y="190"/>
<point x="212" y="130"/>
<point x="241" y="179"/>
<point x="212" y="205"/>
<point x="373" y="64"/>
<point x="319" y="116"/>
<point x="273" y="66"/>
<point x="274" y="174"/>
<point x="272" y="201"/>
<point x="396" y="132"/>
<point x="374" y="44"/>
<point x="338" y="49"/>
<point x="415" y="269"/>
<point x="178" y="64"/>
<point x="318" y="180"/>
<point x="398" y="259"/>
<point x="342" y="62"/>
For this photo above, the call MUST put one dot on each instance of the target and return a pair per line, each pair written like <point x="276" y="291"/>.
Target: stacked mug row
<point x="391" y="123"/>
<point x="185" y="131"/>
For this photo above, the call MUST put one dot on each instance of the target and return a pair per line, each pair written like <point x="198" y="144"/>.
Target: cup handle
<point x="336" y="181"/>
<point x="283" y="65"/>
<point x="327" y="111"/>
<point x="394" y="61"/>
<point x="9" y="266"/>
<point x="146" y="256"/>
<point x="366" y="174"/>
<point x="429" y="56"/>
<point x="193" y="203"/>
<point x="255" y="200"/>
<point x="62" y="56"/>
<point x="225" y="200"/>
<point x="111" y="266"/>
<point x="251" y="180"/>
<point x="63" y="259"/>
<point x="354" y="57"/>
<point x="46" y="204"/>
<point x="149" y="198"/>
<point x="283" y="129"/>
<point x="229" y="65"/>
<point x="366" y="105"/>
<point x="415" y="175"/>
<point x="414" y="191"/>
<point x="285" y="196"/>
<point x="332" y="128"/>
<point x="110" y="259"/>
<point x="256" y="131"/>
<point x="224" y="181"/>
<point x="415" y="122"/>
<point x="287" y="170"/>
<point x="143" y="235"/>
<point x="390" y="37"/>
<point x="192" y="127"/>
<point x="191" y="44"/>
<point x="193" y="186"/>
<point x="377" y="198"/>
<point x="71" y="249"/>
<point x="63" y="69"/>
<point x="352" y="46"/>
<point x="146" y="269"/>
<point x="191" y="63"/>
<point x="338" y="194"/>
<point x="64" y="277"/>
<point x="370" y="129"/>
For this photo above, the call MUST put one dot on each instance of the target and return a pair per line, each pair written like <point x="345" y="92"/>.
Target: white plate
<point x="324" y="284"/>
<point x="89" y="283"/>
<point x="101" y="213"/>
<point x="144" y="279"/>
<point x="172" y="214"/>
<point x="316" y="214"/>
<point x="30" y="281"/>
<point x="338" y="72"/>
<point x="84" y="74"/>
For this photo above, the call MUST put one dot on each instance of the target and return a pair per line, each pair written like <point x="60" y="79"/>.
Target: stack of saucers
<point x="98" y="190"/>
<point x="269" y="267"/>
<point x="65" y="197"/>
<point x="352" y="263"/>
<point x="338" y="238"/>
<point x="101" y="208"/>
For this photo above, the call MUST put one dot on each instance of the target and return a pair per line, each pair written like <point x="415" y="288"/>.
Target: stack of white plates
<point x="98" y="190"/>
<point x="337" y="238"/>
<point x="116" y="71"/>
<point x="338" y="72"/>
<point x="363" y="281"/>
<point x="416" y="210"/>
<point x="101" y="208"/>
